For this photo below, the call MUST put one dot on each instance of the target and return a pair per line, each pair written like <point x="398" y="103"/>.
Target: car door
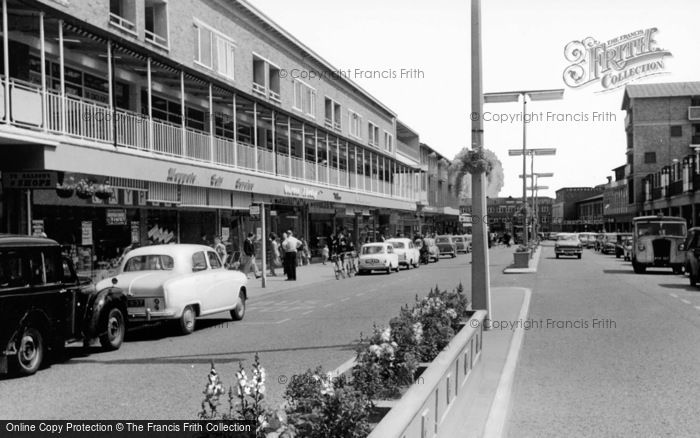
<point x="203" y="281"/>
<point x="221" y="295"/>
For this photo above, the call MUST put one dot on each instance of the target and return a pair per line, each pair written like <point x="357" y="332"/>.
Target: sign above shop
<point x="255" y="210"/>
<point x="116" y="216"/>
<point x="243" y="185"/>
<point x="216" y="180"/>
<point x="301" y="192"/>
<point x="180" y="178"/>
<point x="29" y="180"/>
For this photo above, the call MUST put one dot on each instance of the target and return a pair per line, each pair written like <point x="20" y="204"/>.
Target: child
<point x="324" y="253"/>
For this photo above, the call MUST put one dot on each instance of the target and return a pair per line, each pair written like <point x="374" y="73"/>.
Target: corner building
<point x="183" y="114"/>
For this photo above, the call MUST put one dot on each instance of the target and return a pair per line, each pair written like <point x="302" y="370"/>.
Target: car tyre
<point x="238" y="312"/>
<point x="638" y="269"/>
<point x="579" y="256"/>
<point x="454" y="255"/>
<point x="187" y="320"/>
<point x="114" y="330"/>
<point x="557" y="255"/>
<point x="678" y="270"/>
<point x="30" y="352"/>
<point x="693" y="280"/>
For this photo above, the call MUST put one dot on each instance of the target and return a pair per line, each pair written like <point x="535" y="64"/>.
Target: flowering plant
<point x="84" y="189"/>
<point x="103" y="191"/>
<point x="437" y="321"/>
<point x="522" y="248"/>
<point x="246" y="403"/>
<point x="476" y="162"/>
<point x="387" y="360"/>
<point x="320" y="405"/>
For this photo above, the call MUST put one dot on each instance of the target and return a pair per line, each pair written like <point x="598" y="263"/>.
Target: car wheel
<point x="454" y="255"/>
<point x="114" y="330"/>
<point x="557" y="255"/>
<point x="678" y="270"/>
<point x="579" y="256"/>
<point x="30" y="352"/>
<point x="638" y="269"/>
<point x="693" y="280"/>
<point x="238" y="312"/>
<point x="187" y="320"/>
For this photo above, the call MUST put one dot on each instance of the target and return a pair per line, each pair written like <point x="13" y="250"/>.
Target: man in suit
<point x="249" y="252"/>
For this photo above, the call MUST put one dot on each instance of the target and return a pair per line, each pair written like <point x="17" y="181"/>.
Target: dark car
<point x="446" y="246"/>
<point x="44" y="304"/>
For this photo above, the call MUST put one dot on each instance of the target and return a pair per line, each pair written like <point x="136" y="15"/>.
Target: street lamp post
<point x="514" y="96"/>
<point x="531" y="153"/>
<point x="535" y="179"/>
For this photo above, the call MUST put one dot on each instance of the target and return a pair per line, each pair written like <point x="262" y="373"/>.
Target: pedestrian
<point x="275" y="261"/>
<point x="291" y="246"/>
<point x="220" y="249"/>
<point x="282" y="252"/>
<point x="249" y="254"/>
<point x="305" y="252"/>
<point x="324" y="253"/>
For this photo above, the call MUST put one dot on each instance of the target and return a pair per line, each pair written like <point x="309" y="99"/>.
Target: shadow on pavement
<point x="618" y="271"/>
<point x="685" y="287"/>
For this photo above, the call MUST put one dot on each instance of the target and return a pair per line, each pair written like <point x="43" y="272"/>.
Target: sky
<point x="523" y="46"/>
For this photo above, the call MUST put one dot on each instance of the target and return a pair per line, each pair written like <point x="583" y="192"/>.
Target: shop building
<point x="166" y="121"/>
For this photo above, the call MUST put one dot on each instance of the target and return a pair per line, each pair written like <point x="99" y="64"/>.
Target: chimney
<point x="609" y="179"/>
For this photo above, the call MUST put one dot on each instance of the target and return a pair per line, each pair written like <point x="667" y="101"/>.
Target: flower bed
<point x="318" y="404"/>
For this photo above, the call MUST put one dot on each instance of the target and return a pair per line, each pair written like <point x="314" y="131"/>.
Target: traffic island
<point x="525" y="261"/>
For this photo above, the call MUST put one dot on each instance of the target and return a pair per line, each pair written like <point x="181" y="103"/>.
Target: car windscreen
<point x="374" y="249"/>
<point x="150" y="262"/>
<point x="569" y="238"/>
<point x="442" y="240"/>
<point x="459" y="239"/>
<point x="677" y="229"/>
<point x="399" y="245"/>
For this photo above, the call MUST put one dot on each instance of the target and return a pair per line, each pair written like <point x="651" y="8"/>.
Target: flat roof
<point x="664" y="89"/>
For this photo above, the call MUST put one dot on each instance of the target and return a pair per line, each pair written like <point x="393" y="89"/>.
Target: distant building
<point x="503" y="213"/>
<point x="565" y="209"/>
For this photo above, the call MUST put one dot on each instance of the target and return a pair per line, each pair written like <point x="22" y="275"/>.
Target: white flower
<point x="375" y="349"/>
<point x="451" y="313"/>
<point x="386" y="334"/>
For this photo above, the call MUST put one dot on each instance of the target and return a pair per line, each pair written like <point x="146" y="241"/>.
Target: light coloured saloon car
<point x="378" y="256"/>
<point x="178" y="283"/>
<point x="405" y="249"/>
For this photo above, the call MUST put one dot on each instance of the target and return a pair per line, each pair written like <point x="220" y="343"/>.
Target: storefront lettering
<point x="301" y="192"/>
<point x="246" y="186"/>
<point x="180" y="178"/>
<point x="216" y="180"/>
<point x="160" y="235"/>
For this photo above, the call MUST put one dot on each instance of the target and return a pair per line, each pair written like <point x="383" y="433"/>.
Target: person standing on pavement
<point x="282" y="252"/>
<point x="249" y="252"/>
<point x="291" y="246"/>
<point x="275" y="261"/>
<point x="220" y="249"/>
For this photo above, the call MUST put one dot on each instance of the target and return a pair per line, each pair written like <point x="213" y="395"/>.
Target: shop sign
<point x="273" y="213"/>
<point x="86" y="233"/>
<point x="143" y="196"/>
<point x="254" y="210"/>
<point x="216" y="180"/>
<point x="135" y="232"/>
<point x="225" y="234"/>
<point x="301" y="192"/>
<point x="160" y="235"/>
<point x="243" y="185"/>
<point x="29" y="180"/>
<point x="465" y="218"/>
<point x="180" y="178"/>
<point x="365" y="212"/>
<point x="116" y="216"/>
<point x="37" y="227"/>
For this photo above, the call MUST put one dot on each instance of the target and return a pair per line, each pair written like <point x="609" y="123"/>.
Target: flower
<point x="386" y="334"/>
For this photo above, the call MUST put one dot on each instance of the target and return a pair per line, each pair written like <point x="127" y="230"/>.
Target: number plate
<point x="136" y="303"/>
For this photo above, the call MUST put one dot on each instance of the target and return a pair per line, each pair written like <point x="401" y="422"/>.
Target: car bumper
<point x="568" y="251"/>
<point x="148" y="315"/>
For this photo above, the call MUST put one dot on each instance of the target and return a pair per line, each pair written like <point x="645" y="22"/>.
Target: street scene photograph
<point x="313" y="219"/>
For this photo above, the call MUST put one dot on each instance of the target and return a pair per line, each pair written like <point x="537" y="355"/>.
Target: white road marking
<point x="359" y="294"/>
<point x="328" y="305"/>
<point x="685" y="301"/>
<point x="674" y="295"/>
<point x="697" y="307"/>
<point x="284" y="320"/>
<point x="307" y="312"/>
<point x="344" y="299"/>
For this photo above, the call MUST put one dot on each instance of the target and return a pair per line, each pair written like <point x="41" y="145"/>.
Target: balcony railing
<point x="122" y="23"/>
<point x="46" y="110"/>
<point x="156" y="39"/>
<point x="260" y="89"/>
<point x="275" y="96"/>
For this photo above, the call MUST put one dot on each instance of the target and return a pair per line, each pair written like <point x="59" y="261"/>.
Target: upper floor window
<point x="388" y="142"/>
<point x="122" y="14"/>
<point x="676" y="131"/>
<point x="157" y="22"/>
<point x="373" y="134"/>
<point x="304" y="98"/>
<point x="649" y="157"/>
<point x="213" y="50"/>
<point x="333" y="114"/>
<point x="355" y="123"/>
<point x="266" y="78"/>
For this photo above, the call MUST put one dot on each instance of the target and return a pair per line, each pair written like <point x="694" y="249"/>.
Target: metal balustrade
<point x="37" y="109"/>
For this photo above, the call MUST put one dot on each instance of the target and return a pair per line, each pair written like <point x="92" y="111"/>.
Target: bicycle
<point x="337" y="266"/>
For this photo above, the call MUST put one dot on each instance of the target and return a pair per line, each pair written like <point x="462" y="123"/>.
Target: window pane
<point x="206" y="47"/>
<point x="199" y="262"/>
<point x="214" y="261"/>
<point x="196" y="44"/>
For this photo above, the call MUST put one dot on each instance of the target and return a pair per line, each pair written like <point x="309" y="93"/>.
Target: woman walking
<point x="275" y="260"/>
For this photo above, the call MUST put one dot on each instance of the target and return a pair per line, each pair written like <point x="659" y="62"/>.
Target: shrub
<point x="383" y="365"/>
<point x="321" y="406"/>
<point x="437" y="321"/>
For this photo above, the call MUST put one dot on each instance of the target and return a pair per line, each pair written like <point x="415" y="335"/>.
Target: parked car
<point x="408" y="254"/>
<point x="433" y="251"/>
<point x="179" y="283"/>
<point x="462" y="244"/>
<point x="620" y="244"/>
<point x="446" y="246"/>
<point x="568" y="245"/>
<point x="659" y="242"/>
<point x="379" y="256"/>
<point x="692" y="255"/>
<point x="587" y="239"/>
<point x="609" y="243"/>
<point x="44" y="304"/>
